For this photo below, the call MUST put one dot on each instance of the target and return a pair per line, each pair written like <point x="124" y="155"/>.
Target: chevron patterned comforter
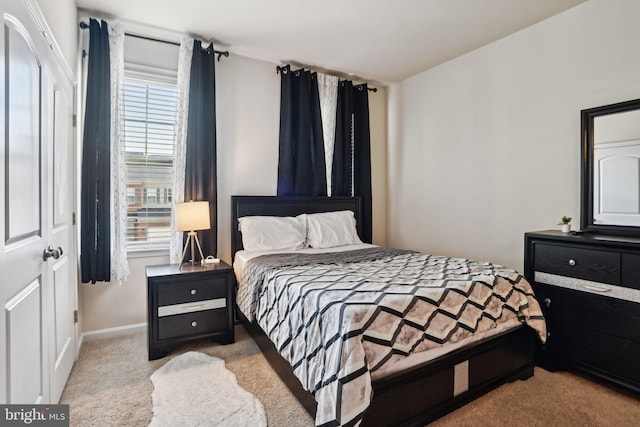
<point x="337" y="317"/>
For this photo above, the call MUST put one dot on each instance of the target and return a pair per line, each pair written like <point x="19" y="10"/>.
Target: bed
<point x="355" y="391"/>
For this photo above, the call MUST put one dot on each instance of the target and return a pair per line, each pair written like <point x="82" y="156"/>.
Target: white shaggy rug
<point x="195" y="389"/>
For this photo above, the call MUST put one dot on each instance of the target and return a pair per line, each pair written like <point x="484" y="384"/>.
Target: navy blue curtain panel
<point x="351" y="169"/>
<point x="362" y="157"/>
<point x="200" y="168"/>
<point x="301" y="164"/>
<point x="95" y="232"/>
<point x="341" y="169"/>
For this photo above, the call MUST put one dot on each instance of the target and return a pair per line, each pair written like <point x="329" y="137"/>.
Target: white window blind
<point x="149" y="117"/>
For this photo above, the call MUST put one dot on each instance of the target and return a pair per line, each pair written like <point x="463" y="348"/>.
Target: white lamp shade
<point x="191" y="216"/>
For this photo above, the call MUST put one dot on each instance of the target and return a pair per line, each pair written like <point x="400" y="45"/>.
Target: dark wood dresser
<point x="589" y="288"/>
<point x="188" y="304"/>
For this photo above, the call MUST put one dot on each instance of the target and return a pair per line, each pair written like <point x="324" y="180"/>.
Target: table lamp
<point x="192" y="216"/>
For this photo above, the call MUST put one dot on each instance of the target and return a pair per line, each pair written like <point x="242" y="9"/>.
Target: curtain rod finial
<point x="224" y="53"/>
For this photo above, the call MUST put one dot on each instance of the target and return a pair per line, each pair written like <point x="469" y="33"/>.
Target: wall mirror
<point x="611" y="169"/>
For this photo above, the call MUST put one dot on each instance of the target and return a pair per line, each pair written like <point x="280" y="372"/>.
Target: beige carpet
<point x="110" y="386"/>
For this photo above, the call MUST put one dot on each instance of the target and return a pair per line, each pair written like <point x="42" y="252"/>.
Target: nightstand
<point x="188" y="304"/>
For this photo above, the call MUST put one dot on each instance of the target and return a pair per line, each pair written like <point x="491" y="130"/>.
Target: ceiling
<point x="383" y="41"/>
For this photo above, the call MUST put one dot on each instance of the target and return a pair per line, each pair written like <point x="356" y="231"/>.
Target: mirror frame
<point x="586" y="170"/>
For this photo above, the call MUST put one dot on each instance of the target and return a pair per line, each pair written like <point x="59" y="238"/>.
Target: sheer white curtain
<point x="328" y="90"/>
<point x="180" y="140"/>
<point x="119" y="261"/>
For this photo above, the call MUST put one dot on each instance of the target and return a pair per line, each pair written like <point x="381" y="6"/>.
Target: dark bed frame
<point x="423" y="393"/>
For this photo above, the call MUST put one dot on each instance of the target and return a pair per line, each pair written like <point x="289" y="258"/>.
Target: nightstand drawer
<point x="170" y="293"/>
<point x="182" y="325"/>
<point x="589" y="264"/>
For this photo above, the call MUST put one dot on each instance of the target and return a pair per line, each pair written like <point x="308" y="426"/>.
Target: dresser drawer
<point x="581" y="263"/>
<point x="604" y="355"/>
<point x="631" y="270"/>
<point x="567" y="309"/>
<point x="170" y="293"/>
<point x="184" y="325"/>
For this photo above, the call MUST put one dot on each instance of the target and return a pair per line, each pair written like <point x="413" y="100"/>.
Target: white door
<point x="59" y="140"/>
<point x="37" y="295"/>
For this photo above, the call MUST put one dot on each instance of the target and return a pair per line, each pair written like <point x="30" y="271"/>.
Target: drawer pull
<point x="194" y="307"/>
<point x="193" y="292"/>
<point x="194" y="323"/>
<point x="572" y="262"/>
<point x="547" y="302"/>
<point x="596" y="288"/>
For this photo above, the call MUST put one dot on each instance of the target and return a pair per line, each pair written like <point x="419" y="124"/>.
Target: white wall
<point x="62" y="18"/>
<point x="248" y="110"/>
<point x="487" y="146"/>
<point x="378" y="125"/>
<point x="248" y="115"/>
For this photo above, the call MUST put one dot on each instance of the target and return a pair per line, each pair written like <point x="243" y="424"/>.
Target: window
<point x="151" y="196"/>
<point x="149" y="116"/>
<point x="131" y="195"/>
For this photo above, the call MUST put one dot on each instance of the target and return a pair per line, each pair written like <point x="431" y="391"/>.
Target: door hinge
<point x="73" y="218"/>
<point x="75" y="316"/>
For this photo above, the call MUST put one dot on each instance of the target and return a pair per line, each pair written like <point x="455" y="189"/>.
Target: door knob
<point x="52" y="253"/>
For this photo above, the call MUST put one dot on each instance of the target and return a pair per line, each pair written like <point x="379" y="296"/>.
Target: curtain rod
<point x="372" y="89"/>
<point x="225" y="53"/>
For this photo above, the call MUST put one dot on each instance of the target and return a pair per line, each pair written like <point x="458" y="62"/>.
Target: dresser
<point x="187" y="304"/>
<point x="588" y="286"/>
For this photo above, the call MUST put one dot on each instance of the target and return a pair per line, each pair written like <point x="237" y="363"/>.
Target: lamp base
<point x="192" y="237"/>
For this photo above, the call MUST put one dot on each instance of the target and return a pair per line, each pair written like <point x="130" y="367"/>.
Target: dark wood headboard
<point x="287" y="206"/>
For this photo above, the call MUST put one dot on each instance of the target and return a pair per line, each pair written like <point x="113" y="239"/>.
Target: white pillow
<point x="265" y="233"/>
<point x="330" y="229"/>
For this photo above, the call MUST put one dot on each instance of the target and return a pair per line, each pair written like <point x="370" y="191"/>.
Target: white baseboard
<point x="119" y="331"/>
<point x="80" y="341"/>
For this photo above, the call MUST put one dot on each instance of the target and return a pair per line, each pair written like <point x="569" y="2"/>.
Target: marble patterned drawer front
<point x="191" y="307"/>
<point x="598" y="288"/>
